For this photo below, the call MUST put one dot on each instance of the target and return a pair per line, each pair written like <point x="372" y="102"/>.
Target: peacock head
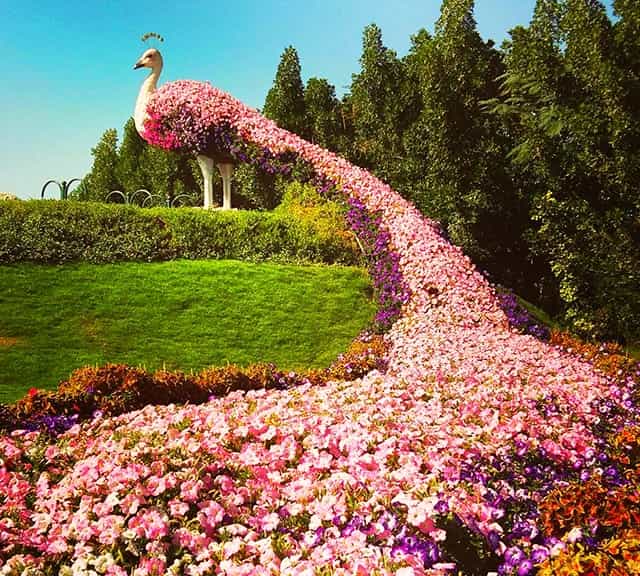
<point x="151" y="58"/>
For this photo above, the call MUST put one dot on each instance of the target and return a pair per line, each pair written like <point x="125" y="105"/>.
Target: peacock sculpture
<point x="188" y="132"/>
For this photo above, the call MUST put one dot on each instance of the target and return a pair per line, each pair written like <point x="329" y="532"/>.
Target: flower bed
<point x="452" y="457"/>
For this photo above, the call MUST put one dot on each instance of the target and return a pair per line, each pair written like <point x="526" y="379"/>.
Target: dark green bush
<point x="55" y="232"/>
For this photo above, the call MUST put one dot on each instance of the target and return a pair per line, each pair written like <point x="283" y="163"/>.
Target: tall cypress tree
<point x="161" y="170"/>
<point x="323" y="125"/>
<point x="103" y="176"/>
<point x="627" y="51"/>
<point x="284" y="103"/>
<point x="457" y="150"/>
<point x="382" y="105"/>
<point x="627" y="30"/>
<point x="130" y="156"/>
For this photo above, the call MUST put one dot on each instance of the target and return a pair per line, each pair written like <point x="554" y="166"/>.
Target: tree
<point x="322" y="109"/>
<point x="103" y="176"/>
<point x="627" y="31"/>
<point x="566" y="98"/>
<point x="417" y="136"/>
<point x="130" y="156"/>
<point x="627" y="52"/>
<point x="135" y="165"/>
<point x="345" y="142"/>
<point x="168" y="174"/>
<point x="257" y="189"/>
<point x="284" y="103"/>
<point x="383" y="105"/>
<point x="456" y="152"/>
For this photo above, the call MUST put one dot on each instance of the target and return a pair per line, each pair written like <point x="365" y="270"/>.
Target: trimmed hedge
<point x="55" y="232"/>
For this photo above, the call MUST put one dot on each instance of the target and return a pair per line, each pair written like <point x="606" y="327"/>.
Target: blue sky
<point x="66" y="67"/>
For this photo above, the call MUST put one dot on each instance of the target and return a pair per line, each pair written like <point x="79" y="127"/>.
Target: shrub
<point x="365" y="353"/>
<point x="598" y="519"/>
<point x="56" y="232"/>
<point x="595" y="504"/>
<point x="8" y="418"/>
<point x="253" y="236"/>
<point x="325" y="216"/>
<point x="617" y="556"/>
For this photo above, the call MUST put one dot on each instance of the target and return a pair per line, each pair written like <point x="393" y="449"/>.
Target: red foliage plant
<point x="115" y="388"/>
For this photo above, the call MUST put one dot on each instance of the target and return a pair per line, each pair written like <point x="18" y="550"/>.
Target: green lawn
<point x="182" y="315"/>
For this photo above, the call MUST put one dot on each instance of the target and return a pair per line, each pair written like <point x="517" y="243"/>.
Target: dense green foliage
<point x="529" y="156"/>
<point x="464" y="182"/>
<point x="103" y="178"/>
<point x="380" y="107"/>
<point x="305" y="204"/>
<point x="322" y="114"/>
<point x="569" y="98"/>
<point x="55" y="232"/>
<point x="56" y="318"/>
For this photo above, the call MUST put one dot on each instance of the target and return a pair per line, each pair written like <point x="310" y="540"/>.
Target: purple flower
<point x="519" y="318"/>
<point x="513" y="556"/>
<point x="539" y="555"/>
<point x="441" y="507"/>
<point x="525" y="568"/>
<point x="494" y="539"/>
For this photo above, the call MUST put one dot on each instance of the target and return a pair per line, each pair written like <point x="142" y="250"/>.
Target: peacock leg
<point x="226" y="171"/>
<point x="206" y="166"/>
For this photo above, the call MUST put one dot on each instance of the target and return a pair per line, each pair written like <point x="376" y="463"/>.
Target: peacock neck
<point x="146" y="90"/>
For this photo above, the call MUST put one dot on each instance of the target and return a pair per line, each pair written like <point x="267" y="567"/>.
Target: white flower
<point x="574" y="535"/>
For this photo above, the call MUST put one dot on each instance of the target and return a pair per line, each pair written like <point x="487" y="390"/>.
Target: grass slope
<point x="180" y="315"/>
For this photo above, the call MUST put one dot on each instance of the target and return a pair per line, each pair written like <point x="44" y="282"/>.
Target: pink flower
<point x="210" y="515"/>
<point x="269" y="522"/>
<point x="150" y="524"/>
<point x="178" y="508"/>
